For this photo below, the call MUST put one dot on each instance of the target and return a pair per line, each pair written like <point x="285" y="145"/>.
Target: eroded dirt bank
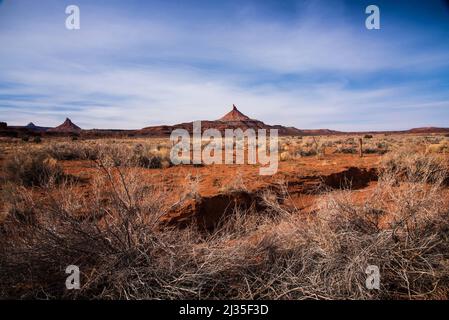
<point x="297" y="185"/>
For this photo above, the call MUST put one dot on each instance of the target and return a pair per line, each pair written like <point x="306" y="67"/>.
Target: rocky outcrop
<point x="232" y="120"/>
<point x="234" y="115"/>
<point x="66" y="127"/>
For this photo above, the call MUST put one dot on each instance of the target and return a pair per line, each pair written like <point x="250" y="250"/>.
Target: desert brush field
<point x="140" y="227"/>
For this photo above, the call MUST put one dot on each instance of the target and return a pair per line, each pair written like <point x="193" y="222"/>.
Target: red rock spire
<point x="234" y="115"/>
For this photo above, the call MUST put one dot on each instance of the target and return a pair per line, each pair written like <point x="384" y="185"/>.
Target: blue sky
<point x="309" y="64"/>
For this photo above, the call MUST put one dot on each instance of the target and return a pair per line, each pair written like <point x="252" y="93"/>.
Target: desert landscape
<point x="140" y="227"/>
<point x="228" y="158"/>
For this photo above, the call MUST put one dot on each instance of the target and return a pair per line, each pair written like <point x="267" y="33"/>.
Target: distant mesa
<point x="428" y="130"/>
<point x="32" y="127"/>
<point x="66" y="127"/>
<point x="233" y="120"/>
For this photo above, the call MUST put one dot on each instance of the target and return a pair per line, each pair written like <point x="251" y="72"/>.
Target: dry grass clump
<point x="141" y="155"/>
<point x="33" y="169"/>
<point x="73" y="151"/>
<point x="293" y="149"/>
<point x="320" y="146"/>
<point x="237" y="184"/>
<point x="441" y="147"/>
<point x="346" y="150"/>
<point x="415" y="167"/>
<point x="151" y="157"/>
<point x="401" y="228"/>
<point x="114" y="236"/>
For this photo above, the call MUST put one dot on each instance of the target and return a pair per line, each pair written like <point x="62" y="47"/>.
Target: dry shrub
<point x="113" y="236"/>
<point x="442" y="147"/>
<point x="374" y="151"/>
<point x="291" y="149"/>
<point x="156" y="159"/>
<point x="400" y="228"/>
<point x="33" y="169"/>
<point x="308" y="152"/>
<point x="115" y="154"/>
<point x="406" y="166"/>
<point x="285" y="156"/>
<point x="346" y="150"/>
<point x="236" y="184"/>
<point x="37" y="139"/>
<point x="73" y="151"/>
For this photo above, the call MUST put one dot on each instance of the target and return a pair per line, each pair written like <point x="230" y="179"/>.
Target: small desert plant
<point x="382" y="145"/>
<point x="157" y="158"/>
<point x="236" y="184"/>
<point x="369" y="150"/>
<point x="285" y="156"/>
<point x="308" y="153"/>
<point x="442" y="147"/>
<point x="346" y="150"/>
<point x="37" y="139"/>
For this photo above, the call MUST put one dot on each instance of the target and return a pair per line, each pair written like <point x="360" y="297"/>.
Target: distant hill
<point x="232" y="120"/>
<point x="32" y="127"/>
<point x="429" y="130"/>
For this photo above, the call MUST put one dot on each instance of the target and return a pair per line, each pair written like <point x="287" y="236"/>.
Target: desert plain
<point x="140" y="227"/>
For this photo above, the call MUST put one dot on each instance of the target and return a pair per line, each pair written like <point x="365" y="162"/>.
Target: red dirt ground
<point x="219" y="188"/>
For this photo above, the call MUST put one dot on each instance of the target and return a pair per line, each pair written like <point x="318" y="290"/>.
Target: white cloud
<point x="134" y="98"/>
